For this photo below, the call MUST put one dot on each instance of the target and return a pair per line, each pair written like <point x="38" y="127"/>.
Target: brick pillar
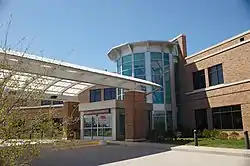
<point x="136" y="116"/>
<point x="71" y="119"/>
<point x="245" y="112"/>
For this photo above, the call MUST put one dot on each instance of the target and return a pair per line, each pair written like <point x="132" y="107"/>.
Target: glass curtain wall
<point x="157" y="76"/>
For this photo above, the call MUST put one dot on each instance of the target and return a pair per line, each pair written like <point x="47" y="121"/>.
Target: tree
<point x="21" y="131"/>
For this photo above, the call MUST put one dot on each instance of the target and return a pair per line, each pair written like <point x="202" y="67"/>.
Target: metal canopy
<point x="63" y="80"/>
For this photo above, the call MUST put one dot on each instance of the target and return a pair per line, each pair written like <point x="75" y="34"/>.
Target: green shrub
<point x="206" y="133"/>
<point x="222" y="136"/>
<point x="234" y="135"/>
<point x="210" y="133"/>
<point x="215" y="133"/>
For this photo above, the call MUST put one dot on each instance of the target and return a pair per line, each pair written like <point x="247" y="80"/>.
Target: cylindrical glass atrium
<point x="152" y="61"/>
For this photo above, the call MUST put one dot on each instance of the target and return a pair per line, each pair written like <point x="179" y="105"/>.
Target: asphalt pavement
<point x="95" y="155"/>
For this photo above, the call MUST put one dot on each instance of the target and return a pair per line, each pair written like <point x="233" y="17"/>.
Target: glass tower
<point x="152" y="61"/>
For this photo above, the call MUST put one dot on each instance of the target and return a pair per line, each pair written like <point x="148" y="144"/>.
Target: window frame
<point x="217" y="70"/>
<point x="109" y="94"/>
<point x="97" y="95"/>
<point x="199" y="79"/>
<point x="218" y="112"/>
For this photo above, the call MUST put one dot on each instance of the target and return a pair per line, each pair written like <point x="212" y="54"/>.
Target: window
<point x="51" y="102"/>
<point x="139" y="65"/>
<point x="199" y="79"/>
<point x="215" y="74"/>
<point x="127" y="65"/>
<point x="95" y="95"/>
<point x="242" y="39"/>
<point x="109" y="93"/>
<point x="228" y="117"/>
<point x="157" y="76"/>
<point x="57" y="102"/>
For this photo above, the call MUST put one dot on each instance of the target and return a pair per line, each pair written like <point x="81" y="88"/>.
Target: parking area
<point x="96" y="155"/>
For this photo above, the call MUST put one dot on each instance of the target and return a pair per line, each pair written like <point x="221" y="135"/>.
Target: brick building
<point x="210" y="89"/>
<point x="215" y="86"/>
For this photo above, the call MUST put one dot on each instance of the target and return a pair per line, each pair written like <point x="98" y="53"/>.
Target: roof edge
<point x="218" y="44"/>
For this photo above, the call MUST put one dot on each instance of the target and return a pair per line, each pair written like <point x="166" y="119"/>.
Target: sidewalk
<point x="213" y="150"/>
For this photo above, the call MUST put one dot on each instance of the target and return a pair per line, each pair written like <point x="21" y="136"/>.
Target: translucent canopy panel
<point x="62" y="80"/>
<point x="49" y="85"/>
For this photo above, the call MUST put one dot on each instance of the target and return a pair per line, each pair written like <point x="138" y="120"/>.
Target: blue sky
<point x="82" y="31"/>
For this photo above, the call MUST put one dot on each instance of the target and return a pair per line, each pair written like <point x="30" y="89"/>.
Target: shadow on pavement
<point x="96" y="155"/>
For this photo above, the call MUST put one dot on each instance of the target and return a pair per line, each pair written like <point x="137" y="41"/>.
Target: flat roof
<point x="61" y="79"/>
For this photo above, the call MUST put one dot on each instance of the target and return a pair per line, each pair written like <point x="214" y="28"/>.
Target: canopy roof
<point x="59" y="79"/>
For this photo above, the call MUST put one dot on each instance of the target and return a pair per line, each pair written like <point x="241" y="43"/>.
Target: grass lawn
<point x="237" y="144"/>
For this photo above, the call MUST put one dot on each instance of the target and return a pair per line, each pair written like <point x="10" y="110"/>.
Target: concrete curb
<point x="212" y="150"/>
<point x="142" y="144"/>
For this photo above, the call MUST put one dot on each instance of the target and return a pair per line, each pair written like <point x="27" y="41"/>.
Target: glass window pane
<point x="166" y="57"/>
<point x="216" y="121"/>
<point x="87" y="121"/>
<point x="126" y="66"/>
<point x="94" y="121"/>
<point x="156" y="55"/>
<point x="156" y="63"/>
<point x="139" y="64"/>
<point x="141" y="77"/>
<point x="87" y="132"/>
<point x="158" y="97"/>
<point x="119" y="62"/>
<point x="237" y="120"/>
<point x="139" y="56"/>
<point x="127" y="72"/>
<point x="140" y="71"/>
<point x="127" y="58"/>
<point x="226" y="119"/>
<point x="107" y="132"/>
<point x="220" y="77"/>
<point x="109" y="93"/>
<point x="236" y="108"/>
<point x="156" y="71"/>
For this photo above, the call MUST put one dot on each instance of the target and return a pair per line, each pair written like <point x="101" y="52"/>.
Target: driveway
<point x="96" y="155"/>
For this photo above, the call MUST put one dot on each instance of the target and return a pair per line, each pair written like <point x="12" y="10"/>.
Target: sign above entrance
<point x="103" y="119"/>
<point x="96" y="112"/>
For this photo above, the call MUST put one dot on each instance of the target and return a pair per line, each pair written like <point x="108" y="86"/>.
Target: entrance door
<point x="201" y="119"/>
<point x="98" y="126"/>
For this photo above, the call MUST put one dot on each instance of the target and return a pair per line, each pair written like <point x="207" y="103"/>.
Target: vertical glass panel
<point x="127" y="58"/>
<point x="139" y="57"/>
<point x="237" y="120"/>
<point x="156" y="55"/>
<point x="168" y="92"/>
<point x="158" y="97"/>
<point x="140" y="71"/>
<point x="139" y="64"/>
<point x="87" y="121"/>
<point x="126" y="66"/>
<point x="127" y="72"/>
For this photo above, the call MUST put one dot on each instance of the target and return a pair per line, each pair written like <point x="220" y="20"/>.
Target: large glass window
<point x="139" y="65"/>
<point x="109" y="93"/>
<point x="127" y="65"/>
<point x="215" y="74"/>
<point x="199" y="79"/>
<point x="119" y="64"/>
<point x="98" y="125"/>
<point x="157" y="76"/>
<point x="228" y="117"/>
<point x="95" y="95"/>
